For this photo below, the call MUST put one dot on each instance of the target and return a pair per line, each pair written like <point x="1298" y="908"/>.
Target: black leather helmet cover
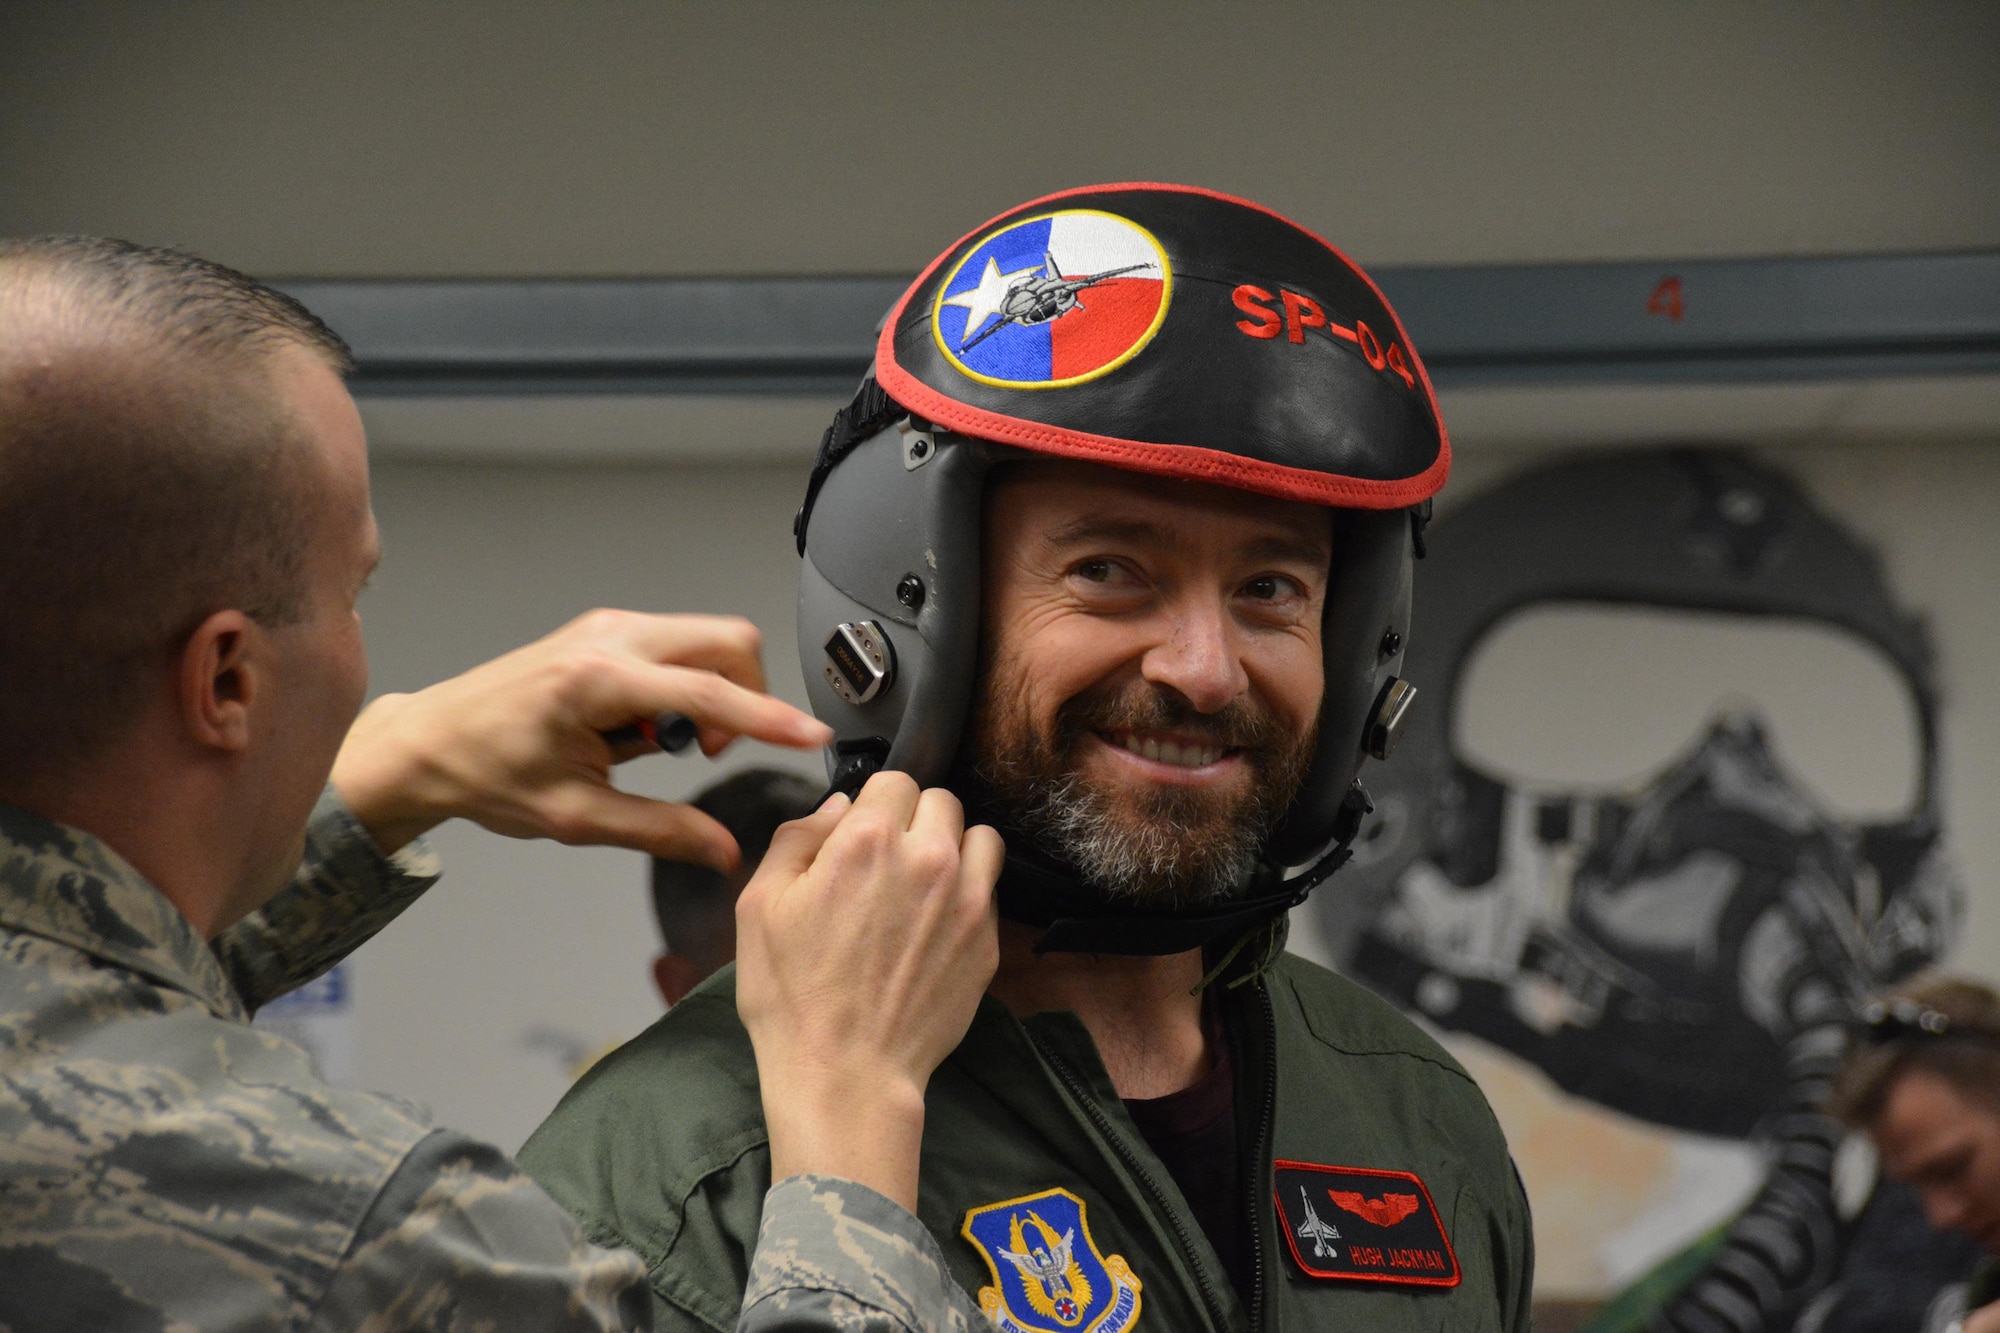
<point x="1254" y="354"/>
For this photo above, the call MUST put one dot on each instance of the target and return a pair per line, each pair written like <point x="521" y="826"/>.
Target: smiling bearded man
<point x="1178" y="818"/>
<point x="1117" y="542"/>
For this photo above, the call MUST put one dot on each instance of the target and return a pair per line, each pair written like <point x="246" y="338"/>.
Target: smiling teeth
<point x="1171" y="752"/>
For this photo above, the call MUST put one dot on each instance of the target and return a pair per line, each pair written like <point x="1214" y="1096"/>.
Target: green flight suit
<point x="662" y="1149"/>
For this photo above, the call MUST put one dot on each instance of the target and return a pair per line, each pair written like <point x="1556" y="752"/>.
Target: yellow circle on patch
<point x="1053" y="300"/>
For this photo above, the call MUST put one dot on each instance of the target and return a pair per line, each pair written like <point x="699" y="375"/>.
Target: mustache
<point x="1239" y="725"/>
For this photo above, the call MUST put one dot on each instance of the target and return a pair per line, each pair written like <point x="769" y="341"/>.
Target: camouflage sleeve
<point x="345" y="890"/>
<point x="832" y="1254"/>
<point x="460" y="1239"/>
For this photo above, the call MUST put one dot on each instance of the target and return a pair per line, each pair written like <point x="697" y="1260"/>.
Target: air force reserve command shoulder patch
<point x="1053" y="300"/>
<point x="1361" y="1225"/>
<point x="1048" y="1276"/>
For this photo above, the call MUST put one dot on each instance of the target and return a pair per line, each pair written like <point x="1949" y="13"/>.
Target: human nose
<point x="1198" y="657"/>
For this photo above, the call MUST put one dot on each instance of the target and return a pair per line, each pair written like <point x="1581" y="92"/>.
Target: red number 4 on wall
<point x="1666" y="300"/>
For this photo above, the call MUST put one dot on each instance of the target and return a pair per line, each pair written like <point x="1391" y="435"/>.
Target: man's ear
<point x="676" y="974"/>
<point x="220" y="676"/>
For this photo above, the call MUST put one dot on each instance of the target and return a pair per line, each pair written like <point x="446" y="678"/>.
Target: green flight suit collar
<point x="1147" y="1224"/>
<point x="66" y="885"/>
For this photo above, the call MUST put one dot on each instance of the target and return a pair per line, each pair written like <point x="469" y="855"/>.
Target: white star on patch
<point x="983" y="302"/>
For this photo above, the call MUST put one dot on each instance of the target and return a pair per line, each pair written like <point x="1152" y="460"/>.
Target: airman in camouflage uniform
<point x="185" y="528"/>
<point x="165" y="1165"/>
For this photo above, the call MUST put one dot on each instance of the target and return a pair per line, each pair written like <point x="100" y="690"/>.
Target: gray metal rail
<point x="1702" y="320"/>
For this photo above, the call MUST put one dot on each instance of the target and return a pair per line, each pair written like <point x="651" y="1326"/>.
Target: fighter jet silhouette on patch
<point x="1316" y="1231"/>
<point x="1043" y="297"/>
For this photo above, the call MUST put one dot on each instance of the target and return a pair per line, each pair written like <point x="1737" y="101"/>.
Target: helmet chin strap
<point x="1036" y="890"/>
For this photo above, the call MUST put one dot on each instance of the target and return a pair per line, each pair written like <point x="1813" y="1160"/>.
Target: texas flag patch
<point x="1053" y="300"/>
<point x="1362" y="1225"/>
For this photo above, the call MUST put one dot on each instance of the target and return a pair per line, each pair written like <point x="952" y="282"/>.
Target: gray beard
<point x="1159" y="859"/>
<point x="1160" y="847"/>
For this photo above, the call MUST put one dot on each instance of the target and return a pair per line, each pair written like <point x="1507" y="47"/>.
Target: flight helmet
<point x="1160" y="329"/>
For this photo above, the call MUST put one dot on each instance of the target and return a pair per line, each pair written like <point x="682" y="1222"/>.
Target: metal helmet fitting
<point x="1158" y="329"/>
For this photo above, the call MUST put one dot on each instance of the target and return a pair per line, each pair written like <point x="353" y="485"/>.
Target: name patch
<point x="1363" y="1225"/>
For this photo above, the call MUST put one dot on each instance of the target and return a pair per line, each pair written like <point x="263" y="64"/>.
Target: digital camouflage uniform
<point x="166" y="1166"/>
<point x="662" y="1148"/>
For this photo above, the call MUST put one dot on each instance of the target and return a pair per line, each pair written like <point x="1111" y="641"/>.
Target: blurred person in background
<point x="695" y="905"/>
<point x="1925" y="1086"/>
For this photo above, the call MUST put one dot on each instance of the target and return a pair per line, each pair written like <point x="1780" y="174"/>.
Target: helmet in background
<point x="1632" y="942"/>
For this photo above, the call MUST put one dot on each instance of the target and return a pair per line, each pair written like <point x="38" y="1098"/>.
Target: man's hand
<point x="863" y="944"/>
<point x="517" y="745"/>
<point x="1986" y="1319"/>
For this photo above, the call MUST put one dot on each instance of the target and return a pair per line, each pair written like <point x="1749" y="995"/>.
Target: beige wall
<point x="521" y="137"/>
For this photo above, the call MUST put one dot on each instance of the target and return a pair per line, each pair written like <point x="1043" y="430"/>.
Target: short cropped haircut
<point x="150" y="475"/>
<point x="1966" y="1053"/>
<point x="695" y="905"/>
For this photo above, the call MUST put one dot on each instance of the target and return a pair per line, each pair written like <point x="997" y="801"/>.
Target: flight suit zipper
<point x="1257" y="1171"/>
<point x="1163" y="1205"/>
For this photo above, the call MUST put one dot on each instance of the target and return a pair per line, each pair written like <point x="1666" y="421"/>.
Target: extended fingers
<point x="586" y="814"/>
<point x="621" y="690"/>
<point x="730" y="646"/>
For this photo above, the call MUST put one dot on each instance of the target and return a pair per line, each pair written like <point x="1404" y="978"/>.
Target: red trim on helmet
<point x="1187" y="462"/>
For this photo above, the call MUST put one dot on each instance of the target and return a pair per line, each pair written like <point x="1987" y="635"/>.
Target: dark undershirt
<point x="1193" y="1132"/>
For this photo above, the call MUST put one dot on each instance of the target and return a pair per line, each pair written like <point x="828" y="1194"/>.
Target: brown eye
<point x="1096" y="571"/>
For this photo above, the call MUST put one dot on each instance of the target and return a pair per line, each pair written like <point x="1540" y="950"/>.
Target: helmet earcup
<point x="1362" y="634"/>
<point x="894" y="541"/>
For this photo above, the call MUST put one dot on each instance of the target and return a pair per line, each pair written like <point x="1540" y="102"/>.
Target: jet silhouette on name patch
<point x="1358" y="1224"/>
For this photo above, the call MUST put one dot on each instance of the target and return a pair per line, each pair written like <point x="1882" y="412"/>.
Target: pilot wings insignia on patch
<point x="1383" y="1212"/>
<point x="1048" y="1275"/>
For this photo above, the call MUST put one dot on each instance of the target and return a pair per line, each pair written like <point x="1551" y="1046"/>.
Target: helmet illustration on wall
<point x="1690" y="949"/>
<point x="1705" y="918"/>
<point x="1157" y="329"/>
